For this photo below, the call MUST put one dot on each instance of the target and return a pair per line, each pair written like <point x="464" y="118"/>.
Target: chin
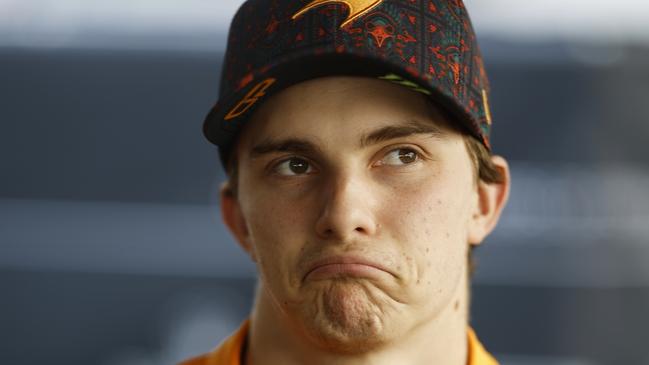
<point x="348" y="317"/>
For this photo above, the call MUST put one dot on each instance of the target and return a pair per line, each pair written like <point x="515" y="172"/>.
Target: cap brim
<point x="297" y="68"/>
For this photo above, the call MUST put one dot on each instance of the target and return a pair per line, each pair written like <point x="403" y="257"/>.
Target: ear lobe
<point x="491" y="199"/>
<point x="234" y="219"/>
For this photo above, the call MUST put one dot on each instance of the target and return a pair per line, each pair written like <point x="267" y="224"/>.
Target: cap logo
<point x="356" y="8"/>
<point x="396" y="79"/>
<point x="250" y="99"/>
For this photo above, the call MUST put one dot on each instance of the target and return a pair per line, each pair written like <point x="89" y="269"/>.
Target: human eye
<point x="293" y="166"/>
<point x="401" y="156"/>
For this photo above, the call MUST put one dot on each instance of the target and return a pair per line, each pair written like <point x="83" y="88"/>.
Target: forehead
<point x="339" y="109"/>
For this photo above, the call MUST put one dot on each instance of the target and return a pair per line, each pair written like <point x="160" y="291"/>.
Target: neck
<point x="273" y="340"/>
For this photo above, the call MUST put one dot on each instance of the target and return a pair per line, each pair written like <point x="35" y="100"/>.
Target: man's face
<point x="356" y="201"/>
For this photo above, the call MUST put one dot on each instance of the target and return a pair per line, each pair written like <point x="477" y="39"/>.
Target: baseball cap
<point x="426" y="45"/>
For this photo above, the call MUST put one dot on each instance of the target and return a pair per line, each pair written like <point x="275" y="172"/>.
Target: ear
<point x="491" y="198"/>
<point x="234" y="219"/>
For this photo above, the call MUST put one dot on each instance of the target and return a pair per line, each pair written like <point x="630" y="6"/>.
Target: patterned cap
<point x="426" y="45"/>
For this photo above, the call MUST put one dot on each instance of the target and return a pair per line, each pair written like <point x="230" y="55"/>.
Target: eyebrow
<point x="292" y="145"/>
<point x="303" y="146"/>
<point x="412" y="127"/>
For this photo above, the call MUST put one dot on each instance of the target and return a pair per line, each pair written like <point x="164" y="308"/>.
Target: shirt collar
<point x="231" y="351"/>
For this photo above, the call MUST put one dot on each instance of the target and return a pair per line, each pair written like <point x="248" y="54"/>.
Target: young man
<point x="356" y="139"/>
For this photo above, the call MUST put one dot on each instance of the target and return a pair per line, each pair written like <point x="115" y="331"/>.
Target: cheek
<point x="269" y="214"/>
<point x="428" y="222"/>
<point x="277" y="234"/>
<point x="429" y="213"/>
<point x="270" y="219"/>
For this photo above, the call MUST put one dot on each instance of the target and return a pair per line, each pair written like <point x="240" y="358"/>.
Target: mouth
<point x="345" y="266"/>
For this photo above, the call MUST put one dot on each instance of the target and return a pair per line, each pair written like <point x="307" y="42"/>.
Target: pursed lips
<point x="347" y="265"/>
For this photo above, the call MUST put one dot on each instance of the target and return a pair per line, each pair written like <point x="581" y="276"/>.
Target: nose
<point x="347" y="209"/>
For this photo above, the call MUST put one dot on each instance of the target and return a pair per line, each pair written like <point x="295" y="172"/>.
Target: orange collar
<point x="229" y="352"/>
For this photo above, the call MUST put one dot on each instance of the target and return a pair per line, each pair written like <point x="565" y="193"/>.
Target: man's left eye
<point x="401" y="156"/>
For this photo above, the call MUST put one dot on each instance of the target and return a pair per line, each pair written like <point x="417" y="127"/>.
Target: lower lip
<point x="345" y="270"/>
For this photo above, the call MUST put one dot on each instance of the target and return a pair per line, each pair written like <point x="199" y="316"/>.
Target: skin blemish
<point x="457" y="305"/>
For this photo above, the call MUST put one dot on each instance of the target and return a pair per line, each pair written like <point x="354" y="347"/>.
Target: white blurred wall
<point x="202" y="24"/>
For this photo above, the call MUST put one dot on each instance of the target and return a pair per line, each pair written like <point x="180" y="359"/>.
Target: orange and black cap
<point x="427" y="45"/>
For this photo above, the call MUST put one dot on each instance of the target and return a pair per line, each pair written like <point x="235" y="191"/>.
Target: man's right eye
<point x="293" y="166"/>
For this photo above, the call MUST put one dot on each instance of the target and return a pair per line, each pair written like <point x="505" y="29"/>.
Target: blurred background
<point x="111" y="246"/>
